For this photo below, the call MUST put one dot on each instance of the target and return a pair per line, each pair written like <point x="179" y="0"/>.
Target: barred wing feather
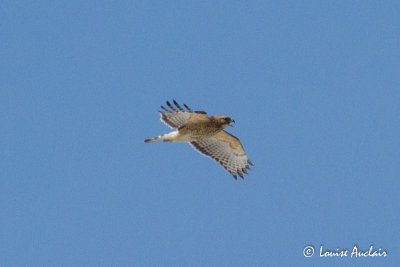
<point x="227" y="150"/>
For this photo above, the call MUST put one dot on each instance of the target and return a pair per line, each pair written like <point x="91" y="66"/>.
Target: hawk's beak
<point x="233" y="122"/>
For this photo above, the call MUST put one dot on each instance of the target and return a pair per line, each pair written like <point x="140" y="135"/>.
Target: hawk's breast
<point x="197" y="132"/>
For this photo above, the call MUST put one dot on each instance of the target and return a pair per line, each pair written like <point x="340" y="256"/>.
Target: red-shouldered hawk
<point x="207" y="135"/>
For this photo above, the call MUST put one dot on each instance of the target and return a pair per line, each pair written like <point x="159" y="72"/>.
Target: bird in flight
<point x="206" y="134"/>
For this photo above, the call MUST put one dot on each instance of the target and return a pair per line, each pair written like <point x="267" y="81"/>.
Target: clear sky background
<point x="314" y="87"/>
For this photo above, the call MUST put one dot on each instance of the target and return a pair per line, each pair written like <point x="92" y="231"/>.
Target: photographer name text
<point x="355" y="252"/>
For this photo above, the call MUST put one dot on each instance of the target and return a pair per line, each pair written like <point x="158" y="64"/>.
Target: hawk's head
<point x="228" y="120"/>
<point x="224" y="121"/>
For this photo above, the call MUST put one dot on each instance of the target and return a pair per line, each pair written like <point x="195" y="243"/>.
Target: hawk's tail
<point x="155" y="139"/>
<point x="169" y="137"/>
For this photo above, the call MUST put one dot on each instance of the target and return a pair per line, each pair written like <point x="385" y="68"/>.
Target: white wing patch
<point x="220" y="151"/>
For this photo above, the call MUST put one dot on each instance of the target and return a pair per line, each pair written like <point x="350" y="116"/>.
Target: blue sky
<point x="313" y="87"/>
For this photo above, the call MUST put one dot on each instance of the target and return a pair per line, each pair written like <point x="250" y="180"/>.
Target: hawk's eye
<point x="227" y="119"/>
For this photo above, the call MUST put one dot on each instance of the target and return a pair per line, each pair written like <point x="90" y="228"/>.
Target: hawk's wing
<point x="176" y="118"/>
<point x="227" y="150"/>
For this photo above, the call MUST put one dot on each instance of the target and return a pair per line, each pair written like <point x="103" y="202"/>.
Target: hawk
<point x="206" y="134"/>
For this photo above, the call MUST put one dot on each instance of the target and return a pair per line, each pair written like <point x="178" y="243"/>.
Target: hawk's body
<point x="206" y="134"/>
